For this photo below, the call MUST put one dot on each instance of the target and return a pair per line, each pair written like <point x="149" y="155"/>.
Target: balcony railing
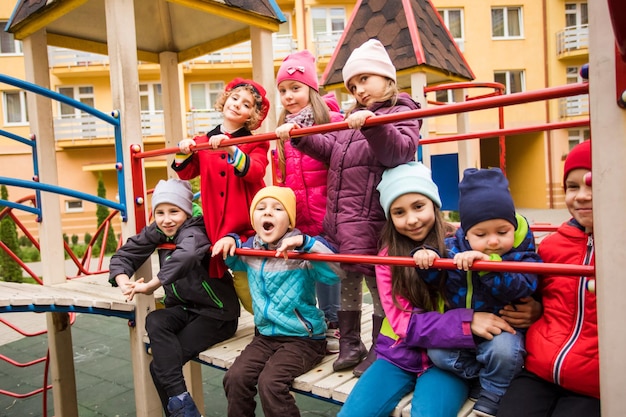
<point x="87" y="127"/>
<point x="574" y="106"/>
<point x="572" y="39"/>
<point x="242" y="52"/>
<point x="326" y="42"/>
<point x="63" y="57"/>
<point x="283" y="46"/>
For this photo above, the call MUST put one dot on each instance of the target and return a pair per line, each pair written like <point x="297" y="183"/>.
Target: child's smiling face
<point x="578" y="198"/>
<point x="270" y="220"/>
<point x="238" y="107"/>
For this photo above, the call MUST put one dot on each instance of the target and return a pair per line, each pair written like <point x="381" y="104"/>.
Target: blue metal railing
<point x="112" y="119"/>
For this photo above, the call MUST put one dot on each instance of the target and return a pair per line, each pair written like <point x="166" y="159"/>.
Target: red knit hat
<point x="578" y="157"/>
<point x="262" y="103"/>
<point x="299" y="66"/>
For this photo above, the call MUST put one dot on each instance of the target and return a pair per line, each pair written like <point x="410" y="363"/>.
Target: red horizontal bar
<point x="504" y="266"/>
<point x="480" y="104"/>
<point x="511" y="131"/>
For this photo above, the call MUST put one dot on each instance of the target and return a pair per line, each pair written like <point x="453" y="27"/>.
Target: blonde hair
<point x="255" y="115"/>
<point x="321" y="115"/>
<point x="391" y="95"/>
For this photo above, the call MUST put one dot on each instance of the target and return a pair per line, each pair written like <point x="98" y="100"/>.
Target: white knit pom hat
<point x="369" y="58"/>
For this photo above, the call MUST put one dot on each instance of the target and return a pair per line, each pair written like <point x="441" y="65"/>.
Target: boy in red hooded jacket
<point x="562" y="375"/>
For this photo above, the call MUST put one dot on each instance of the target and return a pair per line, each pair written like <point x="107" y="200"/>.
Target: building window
<point x="328" y="19"/>
<point x="444" y="96"/>
<point x="8" y="44"/>
<point x="84" y="94"/>
<point x="576" y="136"/>
<point x="453" y="19"/>
<point x="576" y="15"/>
<point x="151" y="97"/>
<point x="506" y="22"/>
<point x="15" y="109"/>
<point x="74" y="206"/>
<point x="513" y="80"/>
<point x="205" y="95"/>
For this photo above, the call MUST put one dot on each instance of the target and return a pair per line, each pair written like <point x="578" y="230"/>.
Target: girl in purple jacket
<point x="356" y="159"/>
<point x="303" y="106"/>
<point x="414" y="321"/>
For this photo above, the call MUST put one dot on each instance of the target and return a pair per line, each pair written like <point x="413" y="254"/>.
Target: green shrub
<point x="88" y="238"/>
<point x="30" y="254"/>
<point x="25" y="241"/>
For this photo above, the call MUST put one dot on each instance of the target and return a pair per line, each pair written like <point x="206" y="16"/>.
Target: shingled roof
<point x="413" y="34"/>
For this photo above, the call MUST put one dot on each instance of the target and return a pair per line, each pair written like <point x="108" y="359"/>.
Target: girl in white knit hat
<point x="356" y="159"/>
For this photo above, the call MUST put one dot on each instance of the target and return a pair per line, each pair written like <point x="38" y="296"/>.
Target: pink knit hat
<point x="369" y="58"/>
<point x="299" y="66"/>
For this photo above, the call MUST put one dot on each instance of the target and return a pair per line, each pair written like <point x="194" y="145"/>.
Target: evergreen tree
<point x="10" y="270"/>
<point x="102" y="213"/>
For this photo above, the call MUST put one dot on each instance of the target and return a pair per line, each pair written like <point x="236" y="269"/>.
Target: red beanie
<point x="262" y="103"/>
<point x="578" y="157"/>
<point x="299" y="66"/>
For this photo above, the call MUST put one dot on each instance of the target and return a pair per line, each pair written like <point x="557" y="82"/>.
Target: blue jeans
<point x="329" y="299"/>
<point x="436" y="393"/>
<point x="495" y="362"/>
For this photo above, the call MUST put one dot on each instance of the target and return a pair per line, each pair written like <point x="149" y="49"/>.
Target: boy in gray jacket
<point x="199" y="311"/>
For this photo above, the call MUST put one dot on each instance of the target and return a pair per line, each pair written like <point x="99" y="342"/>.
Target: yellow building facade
<point x="525" y="46"/>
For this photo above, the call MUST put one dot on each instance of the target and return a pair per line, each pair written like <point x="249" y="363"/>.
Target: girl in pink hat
<point x="303" y="106"/>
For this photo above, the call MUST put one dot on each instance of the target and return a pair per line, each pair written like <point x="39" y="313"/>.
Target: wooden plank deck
<point x="91" y="294"/>
<point x="95" y="295"/>
<point x="320" y="382"/>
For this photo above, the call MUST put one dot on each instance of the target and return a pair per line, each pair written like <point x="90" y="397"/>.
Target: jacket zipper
<point x="580" y="316"/>
<point x="307" y="325"/>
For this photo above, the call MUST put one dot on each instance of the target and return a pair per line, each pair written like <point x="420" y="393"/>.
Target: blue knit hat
<point x="412" y="177"/>
<point x="173" y="191"/>
<point x="484" y="195"/>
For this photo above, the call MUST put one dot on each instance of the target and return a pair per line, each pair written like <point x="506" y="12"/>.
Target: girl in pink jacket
<point x="303" y="106"/>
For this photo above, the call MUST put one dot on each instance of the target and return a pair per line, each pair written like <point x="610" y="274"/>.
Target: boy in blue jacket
<point x="199" y="311"/>
<point x="291" y="337"/>
<point x="490" y="230"/>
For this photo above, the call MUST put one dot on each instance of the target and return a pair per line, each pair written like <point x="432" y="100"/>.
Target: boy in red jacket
<point x="562" y="369"/>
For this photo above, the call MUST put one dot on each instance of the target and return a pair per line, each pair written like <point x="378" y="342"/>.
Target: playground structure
<point x="608" y="123"/>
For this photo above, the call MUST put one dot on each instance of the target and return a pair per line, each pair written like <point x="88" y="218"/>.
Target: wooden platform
<point x="320" y="382"/>
<point x="96" y="296"/>
<point x="91" y="294"/>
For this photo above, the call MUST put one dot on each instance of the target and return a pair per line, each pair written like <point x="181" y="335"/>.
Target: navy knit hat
<point x="412" y="177"/>
<point x="173" y="191"/>
<point x="484" y="195"/>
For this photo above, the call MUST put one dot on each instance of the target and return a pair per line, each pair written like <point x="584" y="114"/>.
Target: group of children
<point x="443" y="335"/>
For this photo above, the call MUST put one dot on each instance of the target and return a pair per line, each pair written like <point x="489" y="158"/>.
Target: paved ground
<point x="103" y="370"/>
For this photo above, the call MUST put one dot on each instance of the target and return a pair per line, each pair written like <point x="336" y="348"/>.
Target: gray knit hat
<point x="173" y="191"/>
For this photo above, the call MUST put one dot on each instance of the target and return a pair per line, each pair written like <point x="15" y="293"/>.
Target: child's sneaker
<point x="182" y="406"/>
<point x="474" y="389"/>
<point x="332" y="338"/>
<point x="487" y="405"/>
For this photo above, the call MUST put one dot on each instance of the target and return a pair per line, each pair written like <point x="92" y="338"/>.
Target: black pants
<point x="272" y="363"/>
<point x="177" y="336"/>
<point x="531" y="396"/>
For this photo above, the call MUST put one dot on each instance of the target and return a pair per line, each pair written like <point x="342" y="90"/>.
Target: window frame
<point x="23" y="108"/>
<point x="507" y="84"/>
<point x="7" y="37"/>
<point x="506" y="35"/>
<point x="210" y="88"/>
<point x="69" y="209"/>
<point x="444" y="13"/>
